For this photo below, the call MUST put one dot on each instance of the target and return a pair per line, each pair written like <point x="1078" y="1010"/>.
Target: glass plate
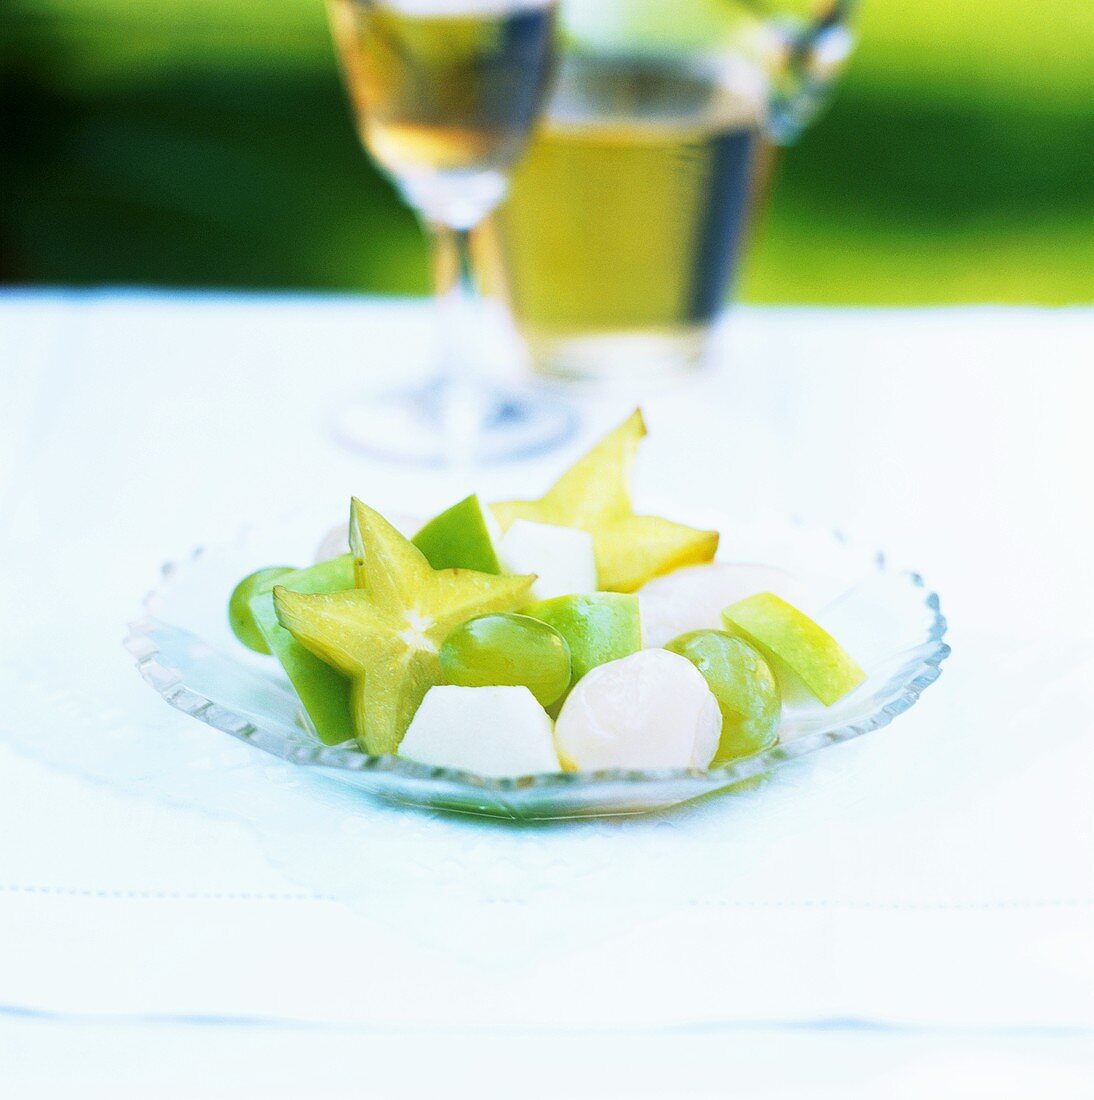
<point x="886" y="617"/>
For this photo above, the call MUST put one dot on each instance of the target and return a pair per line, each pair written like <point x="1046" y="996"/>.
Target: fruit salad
<point x="565" y="633"/>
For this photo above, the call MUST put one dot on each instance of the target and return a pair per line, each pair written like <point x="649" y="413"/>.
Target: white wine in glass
<point x="624" y="226"/>
<point x="446" y="93"/>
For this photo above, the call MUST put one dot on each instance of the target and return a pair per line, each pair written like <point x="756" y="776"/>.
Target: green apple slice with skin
<point x="464" y="536"/>
<point x="240" y="618"/>
<point x="597" y="627"/>
<point x="386" y="633"/>
<point x="692" y="598"/>
<point x="324" y="691"/>
<point x="789" y="639"/>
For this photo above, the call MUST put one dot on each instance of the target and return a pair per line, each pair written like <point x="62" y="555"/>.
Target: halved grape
<point x="506" y="650"/>
<point x="744" y="685"/>
<point x="240" y="617"/>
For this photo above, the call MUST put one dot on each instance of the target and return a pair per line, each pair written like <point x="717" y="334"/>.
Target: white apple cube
<point x="561" y="557"/>
<point x="652" y="709"/>
<point x="493" y="731"/>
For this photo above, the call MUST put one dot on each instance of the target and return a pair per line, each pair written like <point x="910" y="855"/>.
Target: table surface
<point x="909" y="916"/>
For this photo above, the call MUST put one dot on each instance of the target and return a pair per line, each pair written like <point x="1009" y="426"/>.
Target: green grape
<point x="744" y="685"/>
<point x="506" y="650"/>
<point x="240" y="616"/>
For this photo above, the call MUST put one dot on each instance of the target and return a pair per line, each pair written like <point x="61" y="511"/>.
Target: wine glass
<point x="446" y="93"/>
<point x="627" y="222"/>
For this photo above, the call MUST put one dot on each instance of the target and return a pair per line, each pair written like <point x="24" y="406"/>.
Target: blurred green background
<point x="207" y="142"/>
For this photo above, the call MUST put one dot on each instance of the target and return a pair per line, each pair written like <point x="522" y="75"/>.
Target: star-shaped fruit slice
<point x="386" y="633"/>
<point x="594" y="495"/>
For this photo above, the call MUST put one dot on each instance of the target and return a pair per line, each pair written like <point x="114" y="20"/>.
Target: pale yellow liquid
<point x="444" y="93"/>
<point x="624" y="222"/>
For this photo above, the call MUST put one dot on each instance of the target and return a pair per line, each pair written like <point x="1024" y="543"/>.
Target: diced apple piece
<point x="692" y="598"/>
<point x="240" y="617"/>
<point x="464" y="536"/>
<point x="492" y="731"/>
<point x="652" y="709"/>
<point x="789" y="639"/>
<point x="323" y="690"/>
<point x="599" y="627"/>
<point x="561" y="557"/>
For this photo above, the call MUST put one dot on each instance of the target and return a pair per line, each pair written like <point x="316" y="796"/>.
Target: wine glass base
<point x="624" y="357"/>
<point x="425" y="428"/>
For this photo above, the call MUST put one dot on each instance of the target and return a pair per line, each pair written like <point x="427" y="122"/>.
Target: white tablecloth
<point x="936" y="878"/>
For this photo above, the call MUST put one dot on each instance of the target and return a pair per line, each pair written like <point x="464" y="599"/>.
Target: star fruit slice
<point x="594" y="495"/>
<point x="788" y="638"/>
<point x="386" y="633"/>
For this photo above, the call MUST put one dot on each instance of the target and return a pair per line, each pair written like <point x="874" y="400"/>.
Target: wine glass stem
<point x="457" y="392"/>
